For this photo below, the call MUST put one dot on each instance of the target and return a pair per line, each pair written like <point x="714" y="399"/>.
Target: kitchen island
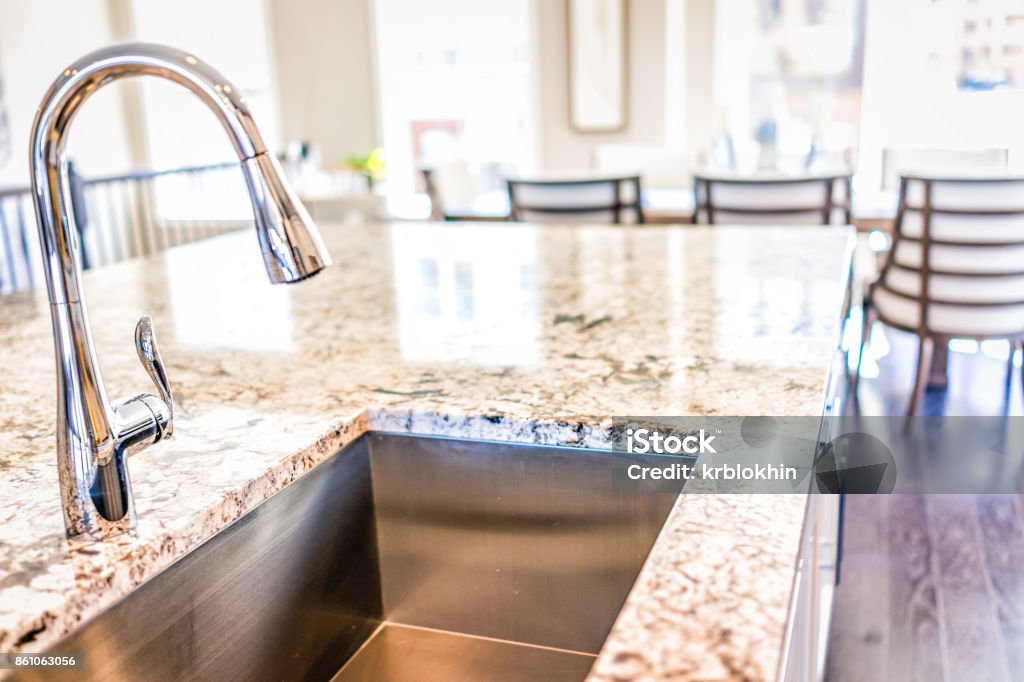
<point x="533" y="334"/>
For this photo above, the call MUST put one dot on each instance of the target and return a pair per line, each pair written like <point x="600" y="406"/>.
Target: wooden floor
<point x="932" y="585"/>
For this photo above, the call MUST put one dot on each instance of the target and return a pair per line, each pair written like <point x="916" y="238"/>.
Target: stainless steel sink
<point x="400" y="558"/>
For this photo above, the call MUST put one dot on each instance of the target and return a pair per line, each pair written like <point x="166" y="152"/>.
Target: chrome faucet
<point x="94" y="438"/>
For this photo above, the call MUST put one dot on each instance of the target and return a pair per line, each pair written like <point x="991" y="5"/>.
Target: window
<point x="179" y="130"/>
<point x="454" y="78"/>
<point x="788" y="79"/>
<point x="932" y="82"/>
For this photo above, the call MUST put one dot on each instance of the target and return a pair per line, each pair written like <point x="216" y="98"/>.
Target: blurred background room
<point x="409" y="110"/>
<point x="620" y="111"/>
<point x="623" y="111"/>
<point x="902" y="118"/>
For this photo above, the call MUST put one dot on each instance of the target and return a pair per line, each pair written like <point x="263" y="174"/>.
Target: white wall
<point x="38" y="39"/>
<point x="698" y="88"/>
<point x="670" y="68"/>
<point x="230" y="35"/>
<point x="562" y="148"/>
<point x="324" y="57"/>
<point x="139" y="122"/>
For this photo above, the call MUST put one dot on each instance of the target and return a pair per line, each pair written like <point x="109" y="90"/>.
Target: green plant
<point x="370" y="166"/>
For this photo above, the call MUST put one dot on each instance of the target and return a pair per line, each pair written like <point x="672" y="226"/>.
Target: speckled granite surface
<point x="532" y="334"/>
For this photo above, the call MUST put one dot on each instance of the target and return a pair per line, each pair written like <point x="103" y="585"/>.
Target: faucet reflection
<point x="94" y="438"/>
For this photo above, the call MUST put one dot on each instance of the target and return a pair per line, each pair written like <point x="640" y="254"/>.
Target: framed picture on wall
<point x="597" y="65"/>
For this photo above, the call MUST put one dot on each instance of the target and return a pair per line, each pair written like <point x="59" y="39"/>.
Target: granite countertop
<point x="536" y="334"/>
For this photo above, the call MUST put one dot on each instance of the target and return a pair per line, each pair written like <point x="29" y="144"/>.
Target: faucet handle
<point x="149" y="355"/>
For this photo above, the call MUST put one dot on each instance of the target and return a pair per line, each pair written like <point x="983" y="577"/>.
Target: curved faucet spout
<point x="93" y="437"/>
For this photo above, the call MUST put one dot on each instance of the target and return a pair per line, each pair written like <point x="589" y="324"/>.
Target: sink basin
<point x="399" y="558"/>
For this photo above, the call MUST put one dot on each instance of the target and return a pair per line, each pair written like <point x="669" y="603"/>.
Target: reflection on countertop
<point x="458" y="289"/>
<point x="509" y="332"/>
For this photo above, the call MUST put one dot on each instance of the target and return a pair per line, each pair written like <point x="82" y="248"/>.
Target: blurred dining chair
<point x="615" y="200"/>
<point x="772" y="199"/>
<point x="897" y="161"/>
<point x="455" y="194"/>
<point x="955" y="269"/>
